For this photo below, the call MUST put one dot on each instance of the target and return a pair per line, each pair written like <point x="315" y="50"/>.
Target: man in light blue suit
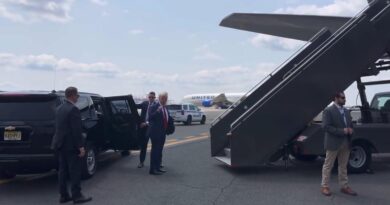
<point x="158" y="116"/>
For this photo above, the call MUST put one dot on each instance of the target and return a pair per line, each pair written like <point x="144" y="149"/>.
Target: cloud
<point x="4" y="86"/>
<point x="105" y="13"/>
<point x="43" y="71"/>
<point x="136" y="32"/>
<point x="275" y="43"/>
<point x="32" y="11"/>
<point x="205" y="53"/>
<point x="48" y="62"/>
<point x="231" y="78"/>
<point x="151" y="78"/>
<point x="99" y="2"/>
<point x="38" y="72"/>
<point x="335" y="8"/>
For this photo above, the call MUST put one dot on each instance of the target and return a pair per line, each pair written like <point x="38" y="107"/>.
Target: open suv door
<point x="122" y="122"/>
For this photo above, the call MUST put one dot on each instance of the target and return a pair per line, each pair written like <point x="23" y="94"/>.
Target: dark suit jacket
<point x="156" y="123"/>
<point x="144" y="109"/>
<point x="333" y="124"/>
<point x="68" y="134"/>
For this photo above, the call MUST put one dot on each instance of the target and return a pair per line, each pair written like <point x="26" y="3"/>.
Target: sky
<point x="132" y="47"/>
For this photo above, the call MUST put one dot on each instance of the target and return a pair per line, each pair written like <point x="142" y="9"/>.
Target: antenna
<point x="55" y="78"/>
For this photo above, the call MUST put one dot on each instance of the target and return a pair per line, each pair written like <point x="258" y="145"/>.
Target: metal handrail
<point x="338" y="32"/>
<point x="341" y="29"/>
<point x="260" y="83"/>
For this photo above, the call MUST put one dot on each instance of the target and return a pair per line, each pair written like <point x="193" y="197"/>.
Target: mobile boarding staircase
<point x="280" y="106"/>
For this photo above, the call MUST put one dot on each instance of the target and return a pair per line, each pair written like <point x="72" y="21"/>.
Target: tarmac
<point x="193" y="177"/>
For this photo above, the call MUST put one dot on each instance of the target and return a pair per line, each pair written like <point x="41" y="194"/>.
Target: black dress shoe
<point x="81" y="199"/>
<point x="154" y="173"/>
<point x="161" y="170"/>
<point x="65" y="199"/>
<point x="140" y="165"/>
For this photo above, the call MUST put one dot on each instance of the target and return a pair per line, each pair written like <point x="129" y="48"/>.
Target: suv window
<point x="185" y="107"/>
<point x="85" y="105"/>
<point x="26" y="109"/>
<point x="174" y="107"/>
<point x="120" y="106"/>
<point x="380" y="101"/>
<point x="192" y="108"/>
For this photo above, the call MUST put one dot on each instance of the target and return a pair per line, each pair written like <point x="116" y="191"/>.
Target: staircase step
<point x="225" y="160"/>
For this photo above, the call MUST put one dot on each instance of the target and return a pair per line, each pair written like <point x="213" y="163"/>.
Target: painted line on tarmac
<point x="170" y="143"/>
<point x="172" y="140"/>
<point x="186" y="141"/>
<point x="40" y="176"/>
<point x="5" y="181"/>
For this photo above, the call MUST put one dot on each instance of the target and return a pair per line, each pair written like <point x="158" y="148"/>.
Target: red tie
<point x="165" y="121"/>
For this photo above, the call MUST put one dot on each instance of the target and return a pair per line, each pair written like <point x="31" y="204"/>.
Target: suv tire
<point x="203" y="121"/>
<point x="189" y="120"/>
<point x="89" y="164"/>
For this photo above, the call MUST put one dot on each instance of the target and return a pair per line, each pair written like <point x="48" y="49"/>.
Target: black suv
<point x="27" y="121"/>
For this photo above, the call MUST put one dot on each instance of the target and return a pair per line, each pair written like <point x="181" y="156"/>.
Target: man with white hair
<point x="158" y="117"/>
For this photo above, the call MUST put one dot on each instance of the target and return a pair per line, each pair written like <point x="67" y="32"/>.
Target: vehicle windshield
<point x="174" y="107"/>
<point x="381" y="101"/>
<point x="27" y="109"/>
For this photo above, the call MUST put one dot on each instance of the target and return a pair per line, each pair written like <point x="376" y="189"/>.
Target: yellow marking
<point x="40" y="176"/>
<point x="186" y="141"/>
<point x="204" y="134"/>
<point x="5" y="181"/>
<point x="170" y="143"/>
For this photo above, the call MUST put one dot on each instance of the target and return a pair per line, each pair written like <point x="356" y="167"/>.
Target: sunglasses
<point x="152" y="97"/>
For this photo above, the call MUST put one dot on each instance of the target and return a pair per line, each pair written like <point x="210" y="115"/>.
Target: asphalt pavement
<point x="194" y="177"/>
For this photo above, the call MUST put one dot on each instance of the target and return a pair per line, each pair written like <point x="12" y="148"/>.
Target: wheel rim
<point x="91" y="161"/>
<point x="358" y="157"/>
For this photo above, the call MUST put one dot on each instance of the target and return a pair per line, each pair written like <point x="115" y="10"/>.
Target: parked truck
<point x="371" y="132"/>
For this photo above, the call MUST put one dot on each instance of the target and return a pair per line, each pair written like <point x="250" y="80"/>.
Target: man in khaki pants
<point x="337" y="123"/>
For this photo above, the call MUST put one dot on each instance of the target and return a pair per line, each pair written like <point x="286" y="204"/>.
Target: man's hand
<point x="159" y="109"/>
<point x="350" y="131"/>
<point x="346" y="131"/>
<point x="82" y="152"/>
<point x="144" y="124"/>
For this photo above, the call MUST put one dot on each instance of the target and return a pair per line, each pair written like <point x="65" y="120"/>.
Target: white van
<point x="186" y="113"/>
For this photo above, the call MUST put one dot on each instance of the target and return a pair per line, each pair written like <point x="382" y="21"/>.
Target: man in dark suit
<point x="143" y="137"/>
<point x="158" y="123"/>
<point x="69" y="147"/>
<point x="337" y="123"/>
